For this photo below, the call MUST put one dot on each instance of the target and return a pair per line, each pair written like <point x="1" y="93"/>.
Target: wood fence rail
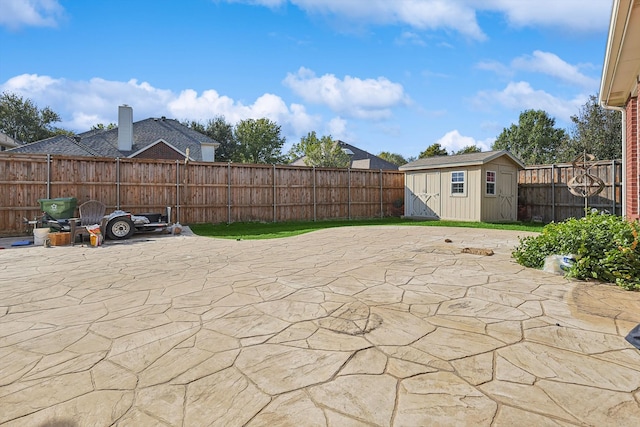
<point x="202" y="192"/>
<point x="198" y="192"/>
<point x="543" y="193"/>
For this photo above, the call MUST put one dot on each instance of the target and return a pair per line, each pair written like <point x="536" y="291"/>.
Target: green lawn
<point x="271" y="230"/>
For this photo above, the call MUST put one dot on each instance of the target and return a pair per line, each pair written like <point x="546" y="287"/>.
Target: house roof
<point x="360" y="159"/>
<point x="622" y="55"/>
<point x="104" y="143"/>
<point x="459" y="160"/>
<point x="8" y="142"/>
<point x="59" y="144"/>
<point x="364" y="160"/>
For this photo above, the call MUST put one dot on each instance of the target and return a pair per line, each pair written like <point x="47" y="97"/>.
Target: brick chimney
<point x="125" y="128"/>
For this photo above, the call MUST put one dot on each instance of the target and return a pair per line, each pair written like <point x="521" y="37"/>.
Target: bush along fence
<point x="543" y="192"/>
<point x="198" y="192"/>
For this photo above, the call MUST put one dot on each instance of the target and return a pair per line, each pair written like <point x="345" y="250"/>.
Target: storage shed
<point x="464" y="187"/>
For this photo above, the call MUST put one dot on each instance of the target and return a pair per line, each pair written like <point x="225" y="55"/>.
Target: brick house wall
<point x="160" y="151"/>
<point x="633" y="158"/>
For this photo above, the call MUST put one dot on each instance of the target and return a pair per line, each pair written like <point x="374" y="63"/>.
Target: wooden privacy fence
<point x="543" y="193"/>
<point x="197" y="192"/>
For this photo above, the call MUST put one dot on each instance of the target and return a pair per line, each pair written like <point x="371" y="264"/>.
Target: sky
<point x="383" y="75"/>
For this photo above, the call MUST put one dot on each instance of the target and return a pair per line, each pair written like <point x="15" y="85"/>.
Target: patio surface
<point x="358" y="326"/>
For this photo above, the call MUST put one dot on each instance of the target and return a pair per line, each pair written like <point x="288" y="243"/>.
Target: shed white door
<point x="507" y="197"/>
<point x="426" y="195"/>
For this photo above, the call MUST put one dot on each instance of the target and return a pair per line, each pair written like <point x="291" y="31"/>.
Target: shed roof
<point x="459" y="160"/>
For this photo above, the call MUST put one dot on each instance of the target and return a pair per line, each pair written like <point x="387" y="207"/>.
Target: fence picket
<point x="199" y="192"/>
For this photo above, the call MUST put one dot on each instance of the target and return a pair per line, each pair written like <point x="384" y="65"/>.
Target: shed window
<point x="457" y="182"/>
<point x="491" y="183"/>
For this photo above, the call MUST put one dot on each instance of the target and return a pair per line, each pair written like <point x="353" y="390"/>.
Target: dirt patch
<point x="477" y="251"/>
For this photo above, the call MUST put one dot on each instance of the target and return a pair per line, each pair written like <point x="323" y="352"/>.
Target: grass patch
<point x="271" y="230"/>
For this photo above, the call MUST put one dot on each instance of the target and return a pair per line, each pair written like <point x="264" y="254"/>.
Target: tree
<point x="222" y="132"/>
<point x="323" y="152"/>
<point x="433" y="150"/>
<point x="534" y="140"/>
<point x="469" y="149"/>
<point x="259" y="141"/>
<point x="596" y="130"/>
<point x="394" y="158"/>
<point x="21" y="119"/>
<point x="101" y="126"/>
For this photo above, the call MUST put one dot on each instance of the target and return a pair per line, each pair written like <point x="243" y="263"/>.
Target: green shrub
<point x="606" y="247"/>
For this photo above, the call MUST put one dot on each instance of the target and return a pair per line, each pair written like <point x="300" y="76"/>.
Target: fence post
<point x="228" y="192"/>
<point x="349" y="192"/>
<point x="48" y="176"/>
<point x="177" y="191"/>
<point x="553" y="192"/>
<point x="315" y="206"/>
<point x="118" y="184"/>
<point x="381" y="195"/>
<point x="274" y="192"/>
<point x="613" y="186"/>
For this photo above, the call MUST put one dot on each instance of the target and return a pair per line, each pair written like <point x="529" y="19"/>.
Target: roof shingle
<point x="104" y="143"/>
<point x="457" y="160"/>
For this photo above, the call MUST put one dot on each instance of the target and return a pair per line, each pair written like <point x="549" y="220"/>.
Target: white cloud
<point x="340" y="128"/>
<point x="419" y="14"/>
<point x="337" y="128"/>
<point x="77" y="102"/>
<point x="82" y="104"/>
<point x="408" y="37"/>
<point x="552" y="65"/>
<point x="546" y="63"/>
<point x="453" y="141"/>
<point x="351" y="96"/>
<point x="268" y="3"/>
<point x="36" y="13"/>
<point x="496" y="67"/>
<point x="519" y="96"/>
<point x="575" y="15"/>
<point x="458" y="15"/>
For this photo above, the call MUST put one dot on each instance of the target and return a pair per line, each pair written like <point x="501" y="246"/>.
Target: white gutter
<point x="624" y="156"/>
<point x="607" y="54"/>
<point x="605" y="92"/>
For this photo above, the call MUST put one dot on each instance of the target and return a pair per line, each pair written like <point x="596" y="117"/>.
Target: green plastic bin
<point x="60" y="208"/>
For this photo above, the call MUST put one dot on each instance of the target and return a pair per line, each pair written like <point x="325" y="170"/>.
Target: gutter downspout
<point x="623" y="202"/>
<point x="615" y="7"/>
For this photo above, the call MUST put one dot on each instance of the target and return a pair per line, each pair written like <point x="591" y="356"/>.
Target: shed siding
<point x="502" y="206"/>
<point x="428" y="190"/>
<point x="461" y="207"/>
<point x="423" y="194"/>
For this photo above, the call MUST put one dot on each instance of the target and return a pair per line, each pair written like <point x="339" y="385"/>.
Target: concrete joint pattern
<point x="357" y="326"/>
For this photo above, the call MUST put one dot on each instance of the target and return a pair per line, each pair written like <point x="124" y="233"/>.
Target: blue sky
<point x="383" y="75"/>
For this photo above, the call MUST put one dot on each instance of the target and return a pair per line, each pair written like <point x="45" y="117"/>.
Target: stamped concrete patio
<point x="362" y="326"/>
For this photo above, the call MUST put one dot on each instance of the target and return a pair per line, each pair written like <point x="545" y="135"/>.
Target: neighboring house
<point x="154" y="138"/>
<point x="619" y="90"/>
<point x="6" y="142"/>
<point x="360" y="159"/>
<point x="464" y="187"/>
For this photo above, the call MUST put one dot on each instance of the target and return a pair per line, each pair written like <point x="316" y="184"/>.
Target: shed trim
<point x="460" y="160"/>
